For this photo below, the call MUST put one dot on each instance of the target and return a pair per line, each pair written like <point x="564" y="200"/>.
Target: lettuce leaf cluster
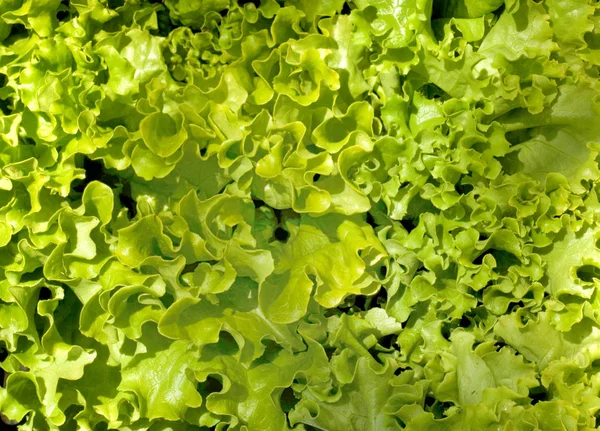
<point x="304" y="214"/>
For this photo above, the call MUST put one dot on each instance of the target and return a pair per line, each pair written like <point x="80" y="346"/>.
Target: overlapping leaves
<point x="362" y="215"/>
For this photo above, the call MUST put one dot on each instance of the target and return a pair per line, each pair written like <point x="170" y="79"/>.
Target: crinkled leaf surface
<point x="300" y="214"/>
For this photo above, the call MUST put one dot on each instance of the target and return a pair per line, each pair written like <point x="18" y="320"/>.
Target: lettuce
<point x="326" y="214"/>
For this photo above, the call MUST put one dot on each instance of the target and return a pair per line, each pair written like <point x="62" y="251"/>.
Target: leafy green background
<point x="309" y="214"/>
